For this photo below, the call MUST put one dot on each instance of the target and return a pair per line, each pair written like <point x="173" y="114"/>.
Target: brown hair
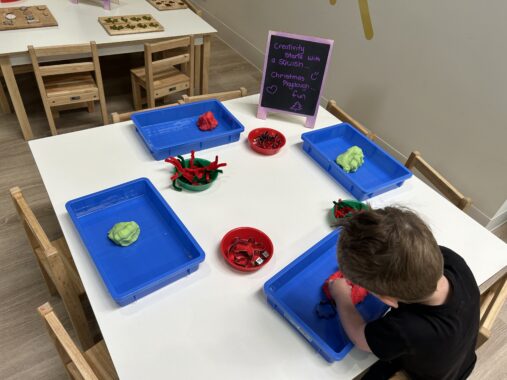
<point x="390" y="252"/>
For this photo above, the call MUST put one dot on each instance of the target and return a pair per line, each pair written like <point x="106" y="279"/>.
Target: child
<point x="431" y="330"/>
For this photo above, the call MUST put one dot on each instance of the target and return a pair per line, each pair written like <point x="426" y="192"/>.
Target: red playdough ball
<point x="207" y="121"/>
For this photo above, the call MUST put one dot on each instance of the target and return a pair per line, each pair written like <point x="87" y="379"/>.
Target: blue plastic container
<point x="164" y="252"/>
<point x="379" y="173"/>
<point x="296" y="290"/>
<point x="173" y="130"/>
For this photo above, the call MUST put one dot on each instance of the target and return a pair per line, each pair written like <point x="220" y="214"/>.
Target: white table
<point x="78" y="23"/>
<point x="215" y="323"/>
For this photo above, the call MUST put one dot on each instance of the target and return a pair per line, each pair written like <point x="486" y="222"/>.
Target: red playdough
<point x="357" y="294"/>
<point x="207" y="121"/>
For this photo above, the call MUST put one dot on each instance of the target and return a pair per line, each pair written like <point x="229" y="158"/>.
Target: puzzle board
<point x="130" y="24"/>
<point x="36" y="16"/>
<point x="168" y="5"/>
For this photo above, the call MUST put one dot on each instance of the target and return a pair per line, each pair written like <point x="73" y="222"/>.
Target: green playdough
<point x="351" y="160"/>
<point x="124" y="233"/>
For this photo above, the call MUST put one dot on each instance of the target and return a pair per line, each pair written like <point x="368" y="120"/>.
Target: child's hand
<point x="351" y="320"/>
<point x="340" y="290"/>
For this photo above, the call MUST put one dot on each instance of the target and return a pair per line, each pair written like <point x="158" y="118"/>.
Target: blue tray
<point x="173" y="130"/>
<point x="164" y="252"/>
<point x="295" y="291"/>
<point x="379" y="173"/>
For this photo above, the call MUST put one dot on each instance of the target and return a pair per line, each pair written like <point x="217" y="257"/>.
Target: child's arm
<point x="352" y="321"/>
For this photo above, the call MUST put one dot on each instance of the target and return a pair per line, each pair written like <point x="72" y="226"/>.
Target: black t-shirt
<point x="430" y="342"/>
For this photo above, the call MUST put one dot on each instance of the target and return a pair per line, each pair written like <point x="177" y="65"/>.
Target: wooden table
<point x="78" y="23"/>
<point x="215" y="323"/>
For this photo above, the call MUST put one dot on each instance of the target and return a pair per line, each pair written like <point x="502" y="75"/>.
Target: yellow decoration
<point x="365" y="17"/>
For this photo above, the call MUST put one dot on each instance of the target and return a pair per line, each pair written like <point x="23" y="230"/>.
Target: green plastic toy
<point x="351" y="160"/>
<point x="124" y="233"/>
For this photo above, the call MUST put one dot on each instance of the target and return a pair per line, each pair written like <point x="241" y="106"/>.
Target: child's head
<point x="391" y="252"/>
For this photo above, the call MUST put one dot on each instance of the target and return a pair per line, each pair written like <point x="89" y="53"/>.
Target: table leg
<point x="17" y="102"/>
<point x="205" y="59"/>
<point x="4" y="102"/>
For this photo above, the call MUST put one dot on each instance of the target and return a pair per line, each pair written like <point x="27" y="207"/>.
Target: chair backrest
<point x="65" y="53"/>
<point x="415" y="160"/>
<point x="333" y="108"/>
<point x="36" y="235"/>
<point x="58" y="270"/>
<point x="178" y="51"/>
<point x="54" y="263"/>
<point x="65" y="346"/>
<point x="222" y="96"/>
<point x="119" y="117"/>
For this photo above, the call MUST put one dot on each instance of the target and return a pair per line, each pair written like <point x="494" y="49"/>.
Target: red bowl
<point x="267" y="151"/>
<point x="245" y="233"/>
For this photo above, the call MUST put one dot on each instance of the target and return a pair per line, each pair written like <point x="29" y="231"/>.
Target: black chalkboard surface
<point x="294" y="71"/>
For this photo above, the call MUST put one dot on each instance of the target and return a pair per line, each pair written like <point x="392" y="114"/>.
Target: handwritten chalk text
<point x="276" y="74"/>
<point x="294" y="85"/>
<point x="284" y="62"/>
<point x="299" y="48"/>
<point x="289" y="55"/>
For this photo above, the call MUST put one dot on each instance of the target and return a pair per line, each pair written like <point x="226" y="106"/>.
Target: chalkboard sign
<point x="295" y="68"/>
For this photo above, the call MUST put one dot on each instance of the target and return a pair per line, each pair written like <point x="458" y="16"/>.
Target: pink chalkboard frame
<point x="262" y="112"/>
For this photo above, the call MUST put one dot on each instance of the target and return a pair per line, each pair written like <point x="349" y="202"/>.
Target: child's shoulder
<point x="460" y="275"/>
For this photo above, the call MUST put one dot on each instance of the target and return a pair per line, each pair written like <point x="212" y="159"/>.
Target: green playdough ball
<point x="351" y="160"/>
<point x="124" y="233"/>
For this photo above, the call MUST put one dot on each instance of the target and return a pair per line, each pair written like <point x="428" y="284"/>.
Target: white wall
<point x="434" y="78"/>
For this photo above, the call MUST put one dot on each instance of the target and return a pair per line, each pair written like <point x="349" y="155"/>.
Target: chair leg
<point x="150" y="97"/>
<point x="482" y="337"/>
<point x="91" y="106"/>
<point x="47" y="279"/>
<point x="197" y="69"/>
<point x="136" y="93"/>
<point x="4" y="101"/>
<point x="103" y="110"/>
<point x="70" y="298"/>
<point x="491" y="304"/>
<point x="78" y="319"/>
<point x="51" y="121"/>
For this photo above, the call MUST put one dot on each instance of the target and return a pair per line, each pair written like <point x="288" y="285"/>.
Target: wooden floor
<point x="26" y="351"/>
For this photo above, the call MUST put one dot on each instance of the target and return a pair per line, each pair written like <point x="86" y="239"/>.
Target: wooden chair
<point x="415" y="160"/>
<point x="492" y="301"/>
<point x="222" y="96"/>
<point x="160" y="78"/>
<point x="57" y="267"/>
<point x="333" y="108"/>
<point x="93" y="364"/>
<point x="68" y="84"/>
<point x="119" y="117"/>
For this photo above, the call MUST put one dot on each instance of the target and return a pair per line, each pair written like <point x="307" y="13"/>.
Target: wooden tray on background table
<point x="36" y="16"/>
<point x="168" y="5"/>
<point x="130" y="24"/>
